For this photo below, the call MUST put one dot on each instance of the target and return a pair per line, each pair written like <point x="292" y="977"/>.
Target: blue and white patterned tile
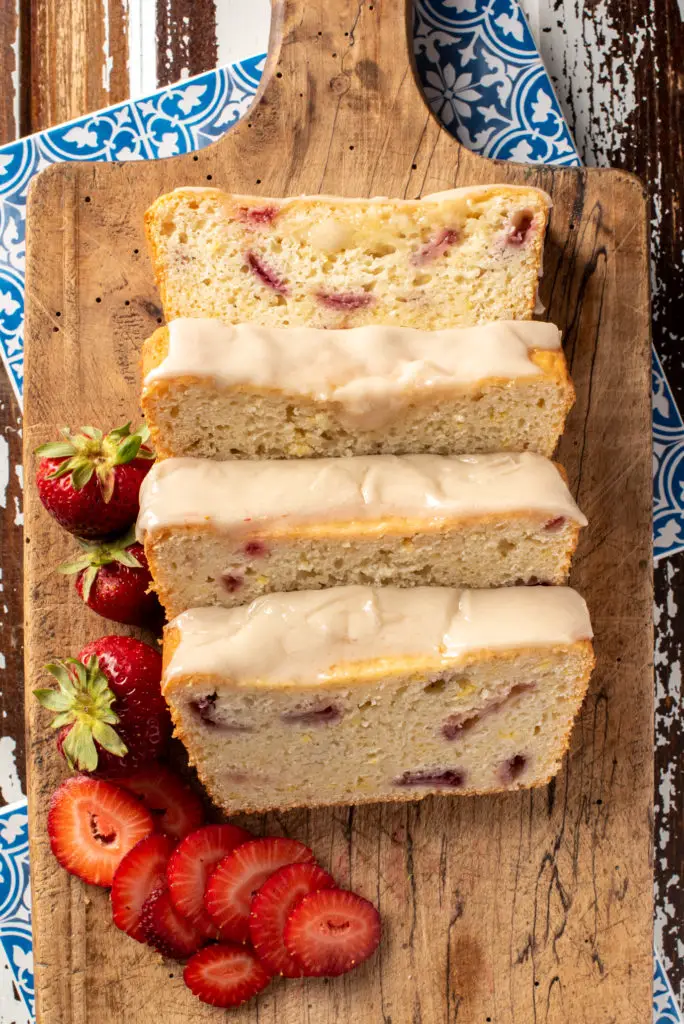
<point x="665" y="1009"/>
<point x="15" y="900"/>
<point x="484" y="79"/>
<point x="668" y="467"/>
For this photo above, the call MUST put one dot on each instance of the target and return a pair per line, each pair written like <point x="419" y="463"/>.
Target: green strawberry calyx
<point x="83" y="700"/>
<point x="89" y="452"/>
<point x="98" y="554"/>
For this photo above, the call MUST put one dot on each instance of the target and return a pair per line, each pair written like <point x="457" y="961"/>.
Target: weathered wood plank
<point x="78" y="56"/>
<point x="10" y="90"/>
<point x="186" y="38"/>
<point x="616" y="68"/>
<point x="533" y="905"/>
<point x="12" y="753"/>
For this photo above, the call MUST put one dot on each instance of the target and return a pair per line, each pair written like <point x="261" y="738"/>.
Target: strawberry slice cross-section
<point x="271" y="907"/>
<point x="331" y="931"/>
<point x="192" y="863"/>
<point x="176" y="808"/>
<point x="166" y="930"/>
<point x="141" y="872"/>
<point x="92" y="825"/>
<point x="225" y="975"/>
<point x="238" y="877"/>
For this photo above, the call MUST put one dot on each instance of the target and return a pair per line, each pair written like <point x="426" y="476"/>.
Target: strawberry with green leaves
<point x="114" y="580"/>
<point x="90" y="483"/>
<point x="110" y="711"/>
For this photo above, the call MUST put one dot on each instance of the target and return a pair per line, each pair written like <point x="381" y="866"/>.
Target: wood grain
<point x="9" y="46"/>
<point x="78" y="58"/>
<point x="617" y="69"/>
<point x="186" y="39"/>
<point x="530" y="907"/>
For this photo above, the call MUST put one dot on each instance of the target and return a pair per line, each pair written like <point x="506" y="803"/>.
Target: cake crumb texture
<point x="469" y="257"/>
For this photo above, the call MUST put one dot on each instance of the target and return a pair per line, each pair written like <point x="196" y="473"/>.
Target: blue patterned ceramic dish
<point x="483" y="77"/>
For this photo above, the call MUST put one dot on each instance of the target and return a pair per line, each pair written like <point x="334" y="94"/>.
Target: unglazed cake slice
<point x="225" y="391"/>
<point x="359" y="694"/>
<point x="460" y="257"/>
<point x="223" y="533"/>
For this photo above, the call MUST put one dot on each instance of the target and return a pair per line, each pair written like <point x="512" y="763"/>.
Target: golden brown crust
<point x="370" y="529"/>
<point x="155" y="349"/>
<point x="170" y="640"/>
<point x="364" y="672"/>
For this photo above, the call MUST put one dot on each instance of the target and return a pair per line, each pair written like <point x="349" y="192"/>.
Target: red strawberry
<point x="169" y="932"/>
<point x="176" y="809"/>
<point x="116" y="681"/>
<point x="191" y="865"/>
<point x="90" y="483"/>
<point x="331" y="931"/>
<point x="225" y="975"/>
<point x="114" y="580"/>
<point x="236" y="879"/>
<point x="141" y="872"/>
<point x="271" y="908"/>
<point x="92" y="825"/>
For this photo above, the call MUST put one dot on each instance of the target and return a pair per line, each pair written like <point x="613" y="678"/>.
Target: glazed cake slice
<point x="460" y="257"/>
<point x="224" y="533"/>
<point x="360" y="694"/>
<point x="225" y="391"/>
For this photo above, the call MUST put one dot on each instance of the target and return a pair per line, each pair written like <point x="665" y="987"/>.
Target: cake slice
<point x="460" y="257"/>
<point x="224" y="391"/>
<point x="360" y="694"/>
<point x="224" y="533"/>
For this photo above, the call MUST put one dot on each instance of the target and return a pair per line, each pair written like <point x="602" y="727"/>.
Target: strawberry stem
<point x="96" y="555"/>
<point x="88" y="452"/>
<point x="83" y="701"/>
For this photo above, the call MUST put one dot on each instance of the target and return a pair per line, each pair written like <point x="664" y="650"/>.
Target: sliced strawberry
<point x="225" y="975"/>
<point x="141" y="872"/>
<point x="239" y="875"/>
<point x="176" y="808"/>
<point x="271" y="908"/>
<point x="92" y="825"/>
<point x="191" y="865"/>
<point x="331" y="931"/>
<point x="166" y="930"/>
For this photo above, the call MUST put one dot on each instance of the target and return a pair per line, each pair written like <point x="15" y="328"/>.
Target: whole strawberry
<point x="114" y="580"/>
<point x="111" y="714"/>
<point x="90" y="483"/>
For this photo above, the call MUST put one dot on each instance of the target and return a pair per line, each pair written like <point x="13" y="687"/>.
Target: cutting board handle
<point x="341" y="46"/>
<point x="340" y="79"/>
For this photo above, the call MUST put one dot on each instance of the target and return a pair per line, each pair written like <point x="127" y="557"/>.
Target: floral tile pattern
<point x="483" y="77"/>
<point x="668" y="467"/>
<point x="15" y="899"/>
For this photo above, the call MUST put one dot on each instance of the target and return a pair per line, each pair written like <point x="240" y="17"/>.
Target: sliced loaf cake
<point x="225" y="391"/>
<point x="359" y="694"/>
<point x="460" y="257"/>
<point x="223" y="533"/>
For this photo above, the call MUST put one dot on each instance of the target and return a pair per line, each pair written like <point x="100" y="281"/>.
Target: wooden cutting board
<point x="529" y="907"/>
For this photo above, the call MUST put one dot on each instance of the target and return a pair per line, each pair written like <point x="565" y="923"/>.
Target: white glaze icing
<point x="304" y="637"/>
<point x="475" y="191"/>
<point x="241" y="496"/>
<point x="464" y="192"/>
<point x="372" y="371"/>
